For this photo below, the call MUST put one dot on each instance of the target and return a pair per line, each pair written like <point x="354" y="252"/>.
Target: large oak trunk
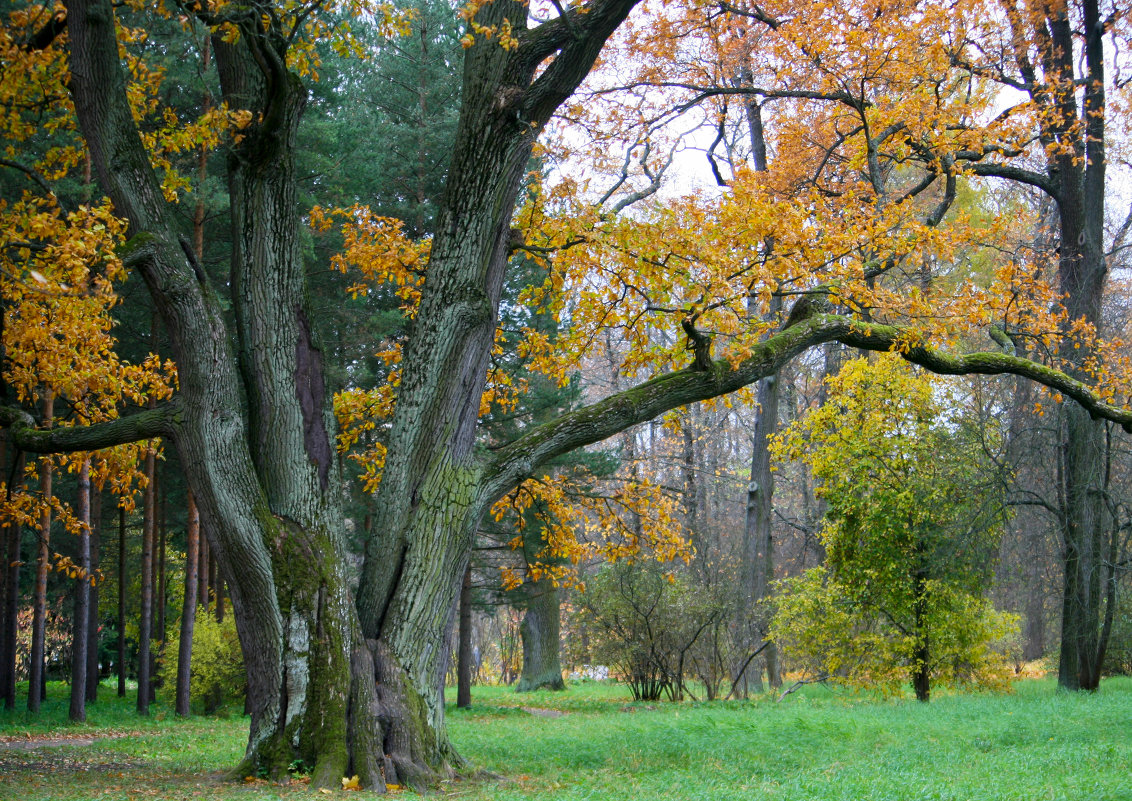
<point x="540" y="630"/>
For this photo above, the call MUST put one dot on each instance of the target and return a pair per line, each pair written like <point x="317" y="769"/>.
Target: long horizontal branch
<point x="514" y="462"/>
<point x="149" y="424"/>
<point x="992" y="169"/>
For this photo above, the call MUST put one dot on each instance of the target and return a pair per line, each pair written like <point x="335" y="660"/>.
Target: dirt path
<point x="28" y="743"/>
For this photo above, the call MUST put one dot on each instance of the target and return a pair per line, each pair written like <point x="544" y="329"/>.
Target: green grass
<point x="816" y="745"/>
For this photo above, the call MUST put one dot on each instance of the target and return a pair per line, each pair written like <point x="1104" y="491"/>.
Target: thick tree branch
<point x="577" y="38"/>
<point x="149" y="424"/>
<point x="34" y="175"/>
<point x="1011" y="173"/>
<point x="596" y="422"/>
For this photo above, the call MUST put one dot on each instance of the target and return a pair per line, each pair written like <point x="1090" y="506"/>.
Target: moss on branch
<point x="148" y="424"/>
<point x="512" y="463"/>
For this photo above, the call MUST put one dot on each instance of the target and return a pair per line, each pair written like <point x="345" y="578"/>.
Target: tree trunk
<point x="37" y="679"/>
<point x="464" y="650"/>
<point x="203" y="563"/>
<point x="11" y="600"/>
<point x="80" y="640"/>
<point x="94" y="637"/>
<point x="540" y="631"/>
<point x="145" y="624"/>
<point x="921" y="653"/>
<point x="757" y="568"/>
<point x="219" y="598"/>
<point x="159" y="601"/>
<point x="121" y="602"/>
<point x="188" y="610"/>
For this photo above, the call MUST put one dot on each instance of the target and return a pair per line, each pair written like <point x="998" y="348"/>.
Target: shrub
<point x="217" y="679"/>
<point x="645" y="623"/>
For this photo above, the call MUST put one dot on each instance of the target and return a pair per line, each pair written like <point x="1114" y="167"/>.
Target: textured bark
<point x="464" y="649"/>
<point x="540" y="630"/>
<point x="159" y="598"/>
<point x="121" y="602"/>
<point x="203" y="562"/>
<point x="81" y="638"/>
<point x="94" y="636"/>
<point x="757" y="566"/>
<point x="37" y="681"/>
<point x="189" y="609"/>
<point x="11" y="602"/>
<point x="145" y="624"/>
<point x="1070" y="90"/>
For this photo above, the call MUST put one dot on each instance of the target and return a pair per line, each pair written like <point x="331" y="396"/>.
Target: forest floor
<point x="592" y="742"/>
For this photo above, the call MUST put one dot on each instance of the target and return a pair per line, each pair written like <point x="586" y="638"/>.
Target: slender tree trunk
<point x="145" y="626"/>
<point x="464" y="650"/>
<point x="94" y="636"/>
<point x="37" y="679"/>
<point x="81" y="638"/>
<point x="121" y="602"/>
<point x="188" y="611"/>
<point x="214" y="585"/>
<point x="202" y="574"/>
<point x="757" y="569"/>
<point x="161" y="598"/>
<point x="13" y="536"/>
<point x="219" y="600"/>
<point x="921" y="654"/>
<point x="5" y="533"/>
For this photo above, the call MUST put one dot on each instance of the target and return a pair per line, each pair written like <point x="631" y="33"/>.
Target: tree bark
<point x="81" y="638"/>
<point x="758" y="533"/>
<point x="188" y="610"/>
<point x="540" y="631"/>
<point x="94" y="636"/>
<point x="145" y="624"/>
<point x="12" y="562"/>
<point x="464" y="649"/>
<point x="203" y="563"/>
<point x="37" y="679"/>
<point x="159" y="600"/>
<point x="121" y="602"/>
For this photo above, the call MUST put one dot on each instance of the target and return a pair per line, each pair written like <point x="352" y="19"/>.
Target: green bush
<point x="217" y="679"/>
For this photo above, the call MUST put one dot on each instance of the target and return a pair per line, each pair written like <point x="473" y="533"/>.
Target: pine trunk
<point x="464" y="649"/>
<point x="121" y="602"/>
<point x="80" y="640"/>
<point x="145" y="624"/>
<point x="11" y="603"/>
<point x="94" y="636"/>
<point x="188" y="610"/>
<point x="37" y="680"/>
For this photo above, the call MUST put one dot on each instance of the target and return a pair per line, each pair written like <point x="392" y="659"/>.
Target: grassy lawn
<point x="592" y="743"/>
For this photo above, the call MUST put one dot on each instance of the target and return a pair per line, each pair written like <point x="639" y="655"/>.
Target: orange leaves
<point x="58" y="292"/>
<point x="376" y="247"/>
<point x="575" y="522"/>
